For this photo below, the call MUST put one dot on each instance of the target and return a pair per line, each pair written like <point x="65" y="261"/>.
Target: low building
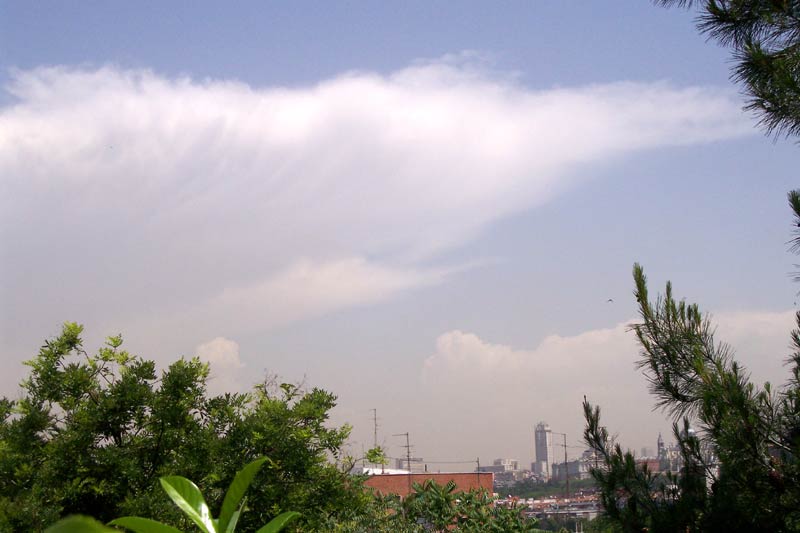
<point x="506" y="472"/>
<point x="653" y="465"/>
<point x="415" y="465"/>
<point x="401" y="484"/>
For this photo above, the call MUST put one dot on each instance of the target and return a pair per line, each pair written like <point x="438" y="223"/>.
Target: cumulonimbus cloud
<point x="129" y="194"/>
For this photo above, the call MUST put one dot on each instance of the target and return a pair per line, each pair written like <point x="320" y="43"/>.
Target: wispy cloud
<point x="128" y="194"/>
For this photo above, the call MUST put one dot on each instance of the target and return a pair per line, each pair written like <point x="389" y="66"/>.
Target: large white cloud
<point x="477" y="389"/>
<point x="130" y="197"/>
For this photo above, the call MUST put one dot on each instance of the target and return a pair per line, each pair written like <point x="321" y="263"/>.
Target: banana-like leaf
<point x="279" y="522"/>
<point x="143" y="525"/>
<point x="188" y="497"/>
<point x="79" y="524"/>
<point x="236" y="492"/>
<point x="235" y="517"/>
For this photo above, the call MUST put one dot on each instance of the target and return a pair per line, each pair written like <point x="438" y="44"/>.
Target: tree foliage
<point x="433" y="507"/>
<point x="442" y="508"/>
<point x="765" y="38"/>
<point x="92" y="435"/>
<point x="740" y="443"/>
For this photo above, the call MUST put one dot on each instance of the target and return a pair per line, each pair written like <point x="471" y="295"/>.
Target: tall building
<point x="543" y="440"/>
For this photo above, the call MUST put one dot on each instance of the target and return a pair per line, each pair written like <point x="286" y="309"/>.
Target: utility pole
<point x="375" y="435"/>
<point x="566" y="464"/>
<point x="408" y="457"/>
<point x="375" y="428"/>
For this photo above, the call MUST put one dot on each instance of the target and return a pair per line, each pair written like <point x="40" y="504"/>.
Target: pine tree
<point x="764" y="36"/>
<point x="740" y="443"/>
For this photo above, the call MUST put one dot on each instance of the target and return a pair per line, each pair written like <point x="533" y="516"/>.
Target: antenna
<point x="566" y="464"/>
<point x="375" y="428"/>
<point x="375" y="435"/>
<point x="408" y="456"/>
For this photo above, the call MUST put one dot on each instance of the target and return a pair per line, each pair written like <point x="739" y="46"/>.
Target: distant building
<point x="506" y="472"/>
<point x="508" y="465"/>
<point x="577" y="469"/>
<point x="376" y="470"/>
<point x="501" y="466"/>
<point x="495" y="469"/>
<point x="543" y="441"/>
<point x="653" y="465"/>
<point x="669" y="456"/>
<point x="416" y="466"/>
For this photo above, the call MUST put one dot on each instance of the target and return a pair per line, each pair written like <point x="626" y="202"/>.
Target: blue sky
<point x="422" y="206"/>
<point x="288" y="43"/>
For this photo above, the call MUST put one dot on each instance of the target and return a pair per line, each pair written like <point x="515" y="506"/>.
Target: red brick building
<point x="653" y="465"/>
<point x="400" y="484"/>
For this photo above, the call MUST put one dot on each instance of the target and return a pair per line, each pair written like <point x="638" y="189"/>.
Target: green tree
<point x="740" y="443"/>
<point x="92" y="434"/>
<point x="432" y="504"/>
<point x="764" y="36"/>
<point x="433" y="507"/>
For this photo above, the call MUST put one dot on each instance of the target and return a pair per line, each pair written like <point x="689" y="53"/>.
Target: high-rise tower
<point x="543" y="440"/>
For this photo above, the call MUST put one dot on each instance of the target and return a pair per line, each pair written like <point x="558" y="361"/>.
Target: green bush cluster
<point x="92" y="435"/>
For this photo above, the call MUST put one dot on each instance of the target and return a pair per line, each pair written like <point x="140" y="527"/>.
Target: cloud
<point x="222" y="355"/>
<point x="302" y="290"/>
<point x="497" y="386"/>
<point x="128" y="196"/>
<point x="760" y="340"/>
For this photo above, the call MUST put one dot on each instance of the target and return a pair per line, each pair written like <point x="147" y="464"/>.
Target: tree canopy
<point x="764" y="36"/>
<point x="92" y="434"/>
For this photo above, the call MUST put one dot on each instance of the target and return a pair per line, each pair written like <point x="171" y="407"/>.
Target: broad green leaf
<point x="231" y="527"/>
<point x="236" y="491"/>
<point x="279" y="522"/>
<point x="79" y="524"/>
<point x="188" y="497"/>
<point x="143" y="525"/>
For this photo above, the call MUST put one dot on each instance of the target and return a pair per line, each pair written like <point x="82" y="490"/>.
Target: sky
<point x="430" y="209"/>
